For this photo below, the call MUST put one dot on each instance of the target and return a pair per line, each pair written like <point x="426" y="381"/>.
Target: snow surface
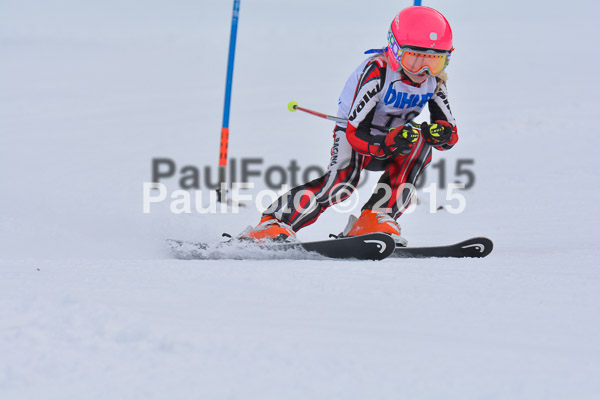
<point x="92" y="305"/>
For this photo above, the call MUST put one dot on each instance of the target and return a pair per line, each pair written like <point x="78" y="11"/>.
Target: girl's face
<point x="418" y="78"/>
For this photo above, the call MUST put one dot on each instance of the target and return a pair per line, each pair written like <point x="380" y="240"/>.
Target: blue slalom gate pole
<point x="417" y="2"/>
<point x="226" y="108"/>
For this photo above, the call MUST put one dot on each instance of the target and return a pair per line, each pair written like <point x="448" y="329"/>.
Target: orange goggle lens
<point x="416" y="62"/>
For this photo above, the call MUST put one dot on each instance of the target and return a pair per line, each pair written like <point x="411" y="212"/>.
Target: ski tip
<point x="477" y="247"/>
<point x="292" y="105"/>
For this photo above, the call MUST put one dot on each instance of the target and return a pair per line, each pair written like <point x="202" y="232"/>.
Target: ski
<point x="374" y="246"/>
<point x="477" y="247"/>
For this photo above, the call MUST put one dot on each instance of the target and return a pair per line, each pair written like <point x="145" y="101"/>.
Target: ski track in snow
<point x="93" y="306"/>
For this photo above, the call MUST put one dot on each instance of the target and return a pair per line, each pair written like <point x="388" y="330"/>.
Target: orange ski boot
<point x="269" y="229"/>
<point x="375" y="222"/>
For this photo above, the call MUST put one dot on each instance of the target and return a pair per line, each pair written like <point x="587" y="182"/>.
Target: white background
<point x="93" y="306"/>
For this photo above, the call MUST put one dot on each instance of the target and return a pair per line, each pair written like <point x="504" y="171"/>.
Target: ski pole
<point x="293" y="106"/>
<point x="226" y="108"/>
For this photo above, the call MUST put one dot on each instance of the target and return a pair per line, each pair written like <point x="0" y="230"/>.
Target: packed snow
<point x="93" y="305"/>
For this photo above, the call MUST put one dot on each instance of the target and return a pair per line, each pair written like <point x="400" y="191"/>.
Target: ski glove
<point x="438" y="133"/>
<point x="400" y="140"/>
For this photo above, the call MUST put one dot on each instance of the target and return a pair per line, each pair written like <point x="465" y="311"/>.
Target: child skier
<point x="388" y="89"/>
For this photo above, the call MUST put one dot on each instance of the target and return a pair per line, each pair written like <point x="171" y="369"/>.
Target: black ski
<point x="471" y="248"/>
<point x="374" y="246"/>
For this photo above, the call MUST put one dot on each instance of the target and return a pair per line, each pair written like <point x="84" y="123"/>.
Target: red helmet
<point x="421" y="27"/>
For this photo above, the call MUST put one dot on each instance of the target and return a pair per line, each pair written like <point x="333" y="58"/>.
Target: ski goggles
<point x="416" y="61"/>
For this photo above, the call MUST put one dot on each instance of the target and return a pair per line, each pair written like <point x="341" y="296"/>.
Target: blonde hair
<point x="443" y="78"/>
